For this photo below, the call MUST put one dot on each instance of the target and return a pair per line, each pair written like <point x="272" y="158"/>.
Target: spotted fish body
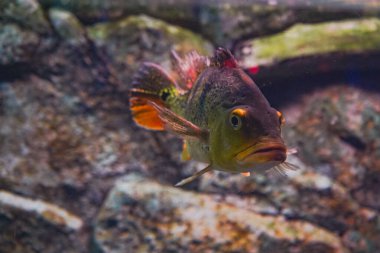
<point x="216" y="108"/>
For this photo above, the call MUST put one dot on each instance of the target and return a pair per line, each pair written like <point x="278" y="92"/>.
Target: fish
<point x="216" y="108"/>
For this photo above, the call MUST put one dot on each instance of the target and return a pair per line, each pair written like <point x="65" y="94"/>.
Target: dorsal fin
<point x="152" y="78"/>
<point x="223" y="58"/>
<point x="189" y="68"/>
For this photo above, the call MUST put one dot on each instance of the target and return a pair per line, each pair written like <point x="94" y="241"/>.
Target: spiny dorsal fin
<point x="189" y="68"/>
<point x="152" y="78"/>
<point x="223" y="58"/>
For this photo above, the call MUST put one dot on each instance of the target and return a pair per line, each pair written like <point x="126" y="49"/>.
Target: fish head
<point x="248" y="135"/>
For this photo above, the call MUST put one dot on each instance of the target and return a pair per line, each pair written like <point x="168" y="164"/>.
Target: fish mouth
<point x="263" y="152"/>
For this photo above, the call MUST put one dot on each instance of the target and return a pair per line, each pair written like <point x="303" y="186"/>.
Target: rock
<point x="352" y="36"/>
<point x="333" y="129"/>
<point x="230" y="23"/>
<point x="67" y="26"/>
<point x="143" y="215"/>
<point x="33" y="225"/>
<point x="28" y="14"/>
<point x="337" y="117"/>
<point x="48" y="212"/>
<point x="16" y="45"/>
<point x="132" y="40"/>
<point x="65" y="128"/>
<point x="223" y="23"/>
<point x="67" y="121"/>
<point x="66" y="135"/>
<point x="329" y="128"/>
<point x="21" y="27"/>
<point x="54" y="144"/>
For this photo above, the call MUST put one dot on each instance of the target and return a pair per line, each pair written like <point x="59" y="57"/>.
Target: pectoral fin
<point x="150" y="83"/>
<point x="178" y="125"/>
<point x="193" y="177"/>
<point x="282" y="169"/>
<point x="185" y="152"/>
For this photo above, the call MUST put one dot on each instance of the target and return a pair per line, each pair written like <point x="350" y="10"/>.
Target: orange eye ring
<point x="281" y="118"/>
<point x="239" y="112"/>
<point x="236" y="118"/>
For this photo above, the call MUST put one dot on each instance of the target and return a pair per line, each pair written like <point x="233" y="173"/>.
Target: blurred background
<point x="77" y="175"/>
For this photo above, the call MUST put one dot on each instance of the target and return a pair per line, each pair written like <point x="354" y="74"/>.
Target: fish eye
<point x="236" y="118"/>
<point x="235" y="122"/>
<point x="281" y="118"/>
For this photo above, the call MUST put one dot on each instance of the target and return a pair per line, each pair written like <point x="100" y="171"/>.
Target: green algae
<point x="302" y="40"/>
<point x="185" y="39"/>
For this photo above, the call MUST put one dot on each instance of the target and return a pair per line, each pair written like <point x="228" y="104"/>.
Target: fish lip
<point x="280" y="148"/>
<point x="274" y="149"/>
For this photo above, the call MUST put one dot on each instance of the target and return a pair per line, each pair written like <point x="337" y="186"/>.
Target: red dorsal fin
<point x="189" y="68"/>
<point x="223" y="58"/>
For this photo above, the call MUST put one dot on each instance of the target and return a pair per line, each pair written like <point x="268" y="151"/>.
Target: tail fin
<point x="151" y="83"/>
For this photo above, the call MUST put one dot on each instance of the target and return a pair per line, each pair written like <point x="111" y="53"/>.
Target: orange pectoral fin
<point x="144" y="114"/>
<point x="246" y="174"/>
<point x="185" y="152"/>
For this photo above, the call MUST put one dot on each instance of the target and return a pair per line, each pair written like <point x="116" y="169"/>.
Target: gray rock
<point x="65" y="128"/>
<point x="67" y="26"/>
<point x="334" y="130"/>
<point x="141" y="215"/>
<point x="28" y="14"/>
<point x="22" y="25"/>
<point x="29" y="225"/>
<point x="222" y="22"/>
<point x="16" y="45"/>
<point x="331" y="129"/>
<point x="135" y="39"/>
<point x="66" y="135"/>
<point x="48" y="212"/>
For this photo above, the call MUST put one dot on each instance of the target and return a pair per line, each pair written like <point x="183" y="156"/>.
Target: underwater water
<point x="77" y="174"/>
